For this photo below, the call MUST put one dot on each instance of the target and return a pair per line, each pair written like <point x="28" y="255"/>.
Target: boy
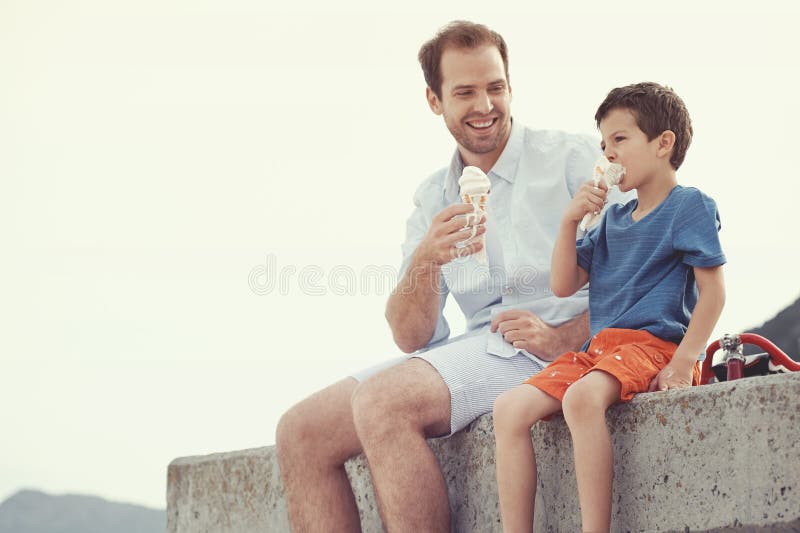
<point x="645" y="264"/>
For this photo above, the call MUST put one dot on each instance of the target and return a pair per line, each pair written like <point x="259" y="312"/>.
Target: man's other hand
<point x="524" y="330"/>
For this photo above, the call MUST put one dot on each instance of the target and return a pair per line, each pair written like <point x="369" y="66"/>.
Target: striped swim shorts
<point x="474" y="376"/>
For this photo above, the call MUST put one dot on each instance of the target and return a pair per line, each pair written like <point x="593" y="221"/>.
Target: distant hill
<point x="31" y="511"/>
<point x="783" y="330"/>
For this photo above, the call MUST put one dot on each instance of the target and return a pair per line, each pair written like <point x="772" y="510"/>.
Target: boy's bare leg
<point x="394" y="412"/>
<point x="584" y="406"/>
<point x="314" y="439"/>
<point x="515" y="412"/>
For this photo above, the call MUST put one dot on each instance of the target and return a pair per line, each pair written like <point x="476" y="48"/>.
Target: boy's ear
<point x="666" y="141"/>
<point x="433" y="101"/>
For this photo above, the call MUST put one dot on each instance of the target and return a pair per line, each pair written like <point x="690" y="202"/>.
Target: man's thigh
<point x="410" y="393"/>
<point x="473" y="377"/>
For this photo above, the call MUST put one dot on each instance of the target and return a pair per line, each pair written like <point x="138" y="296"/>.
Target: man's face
<point x="624" y="143"/>
<point x="475" y="98"/>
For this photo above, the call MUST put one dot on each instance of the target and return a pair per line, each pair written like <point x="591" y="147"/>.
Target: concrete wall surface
<point x="723" y="457"/>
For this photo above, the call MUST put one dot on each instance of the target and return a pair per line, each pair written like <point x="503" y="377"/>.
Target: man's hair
<point x="457" y="34"/>
<point x="656" y="109"/>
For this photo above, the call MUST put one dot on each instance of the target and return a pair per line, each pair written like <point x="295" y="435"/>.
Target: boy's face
<point x="624" y="143"/>
<point x="475" y="98"/>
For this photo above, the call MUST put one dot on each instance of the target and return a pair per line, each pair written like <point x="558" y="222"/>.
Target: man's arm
<point x="413" y="307"/>
<point x="573" y="334"/>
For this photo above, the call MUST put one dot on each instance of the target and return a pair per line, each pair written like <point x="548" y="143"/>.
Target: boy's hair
<point x="656" y="109"/>
<point x="457" y="34"/>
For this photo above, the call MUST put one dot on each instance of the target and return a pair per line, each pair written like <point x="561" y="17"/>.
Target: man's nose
<point x="484" y="103"/>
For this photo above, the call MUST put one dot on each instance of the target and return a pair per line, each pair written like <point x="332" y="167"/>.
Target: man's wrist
<point x="572" y="334"/>
<point x="421" y="266"/>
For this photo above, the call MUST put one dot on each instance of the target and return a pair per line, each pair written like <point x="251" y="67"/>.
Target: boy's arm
<point x="678" y="373"/>
<point x="566" y="276"/>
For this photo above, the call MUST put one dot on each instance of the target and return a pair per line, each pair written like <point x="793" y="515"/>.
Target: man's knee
<point x="292" y="433"/>
<point x="319" y="427"/>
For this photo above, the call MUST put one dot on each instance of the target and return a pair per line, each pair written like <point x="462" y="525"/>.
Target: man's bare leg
<point x="394" y="412"/>
<point x="314" y="439"/>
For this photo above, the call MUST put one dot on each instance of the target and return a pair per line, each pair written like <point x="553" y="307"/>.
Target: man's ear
<point x="666" y="142"/>
<point x="433" y="101"/>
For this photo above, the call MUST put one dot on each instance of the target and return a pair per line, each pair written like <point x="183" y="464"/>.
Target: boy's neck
<point x="652" y="193"/>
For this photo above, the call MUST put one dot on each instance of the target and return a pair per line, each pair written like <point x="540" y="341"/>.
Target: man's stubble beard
<point x="461" y="134"/>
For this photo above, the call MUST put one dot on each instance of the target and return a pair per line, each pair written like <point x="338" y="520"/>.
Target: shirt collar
<point x="505" y="167"/>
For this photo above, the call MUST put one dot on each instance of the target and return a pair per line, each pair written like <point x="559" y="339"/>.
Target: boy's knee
<point x="508" y="413"/>
<point x="581" y="401"/>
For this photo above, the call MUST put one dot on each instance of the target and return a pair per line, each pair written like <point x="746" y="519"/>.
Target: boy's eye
<point x="619" y="138"/>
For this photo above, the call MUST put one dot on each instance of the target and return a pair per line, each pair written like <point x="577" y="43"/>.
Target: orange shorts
<point x="634" y="357"/>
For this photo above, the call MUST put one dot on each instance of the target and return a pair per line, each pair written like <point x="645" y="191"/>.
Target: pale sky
<point x="153" y="154"/>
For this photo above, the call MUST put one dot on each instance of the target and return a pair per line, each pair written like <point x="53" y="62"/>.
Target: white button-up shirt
<point x="531" y="184"/>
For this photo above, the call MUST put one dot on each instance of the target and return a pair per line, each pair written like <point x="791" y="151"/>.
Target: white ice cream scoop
<point x="611" y="174"/>
<point x="474" y="188"/>
<point x="473" y="181"/>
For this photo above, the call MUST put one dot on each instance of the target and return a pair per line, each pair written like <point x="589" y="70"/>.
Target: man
<point x="514" y="323"/>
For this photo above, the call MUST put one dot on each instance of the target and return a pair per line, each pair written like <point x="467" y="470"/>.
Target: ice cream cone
<point x="474" y="186"/>
<point x="611" y="174"/>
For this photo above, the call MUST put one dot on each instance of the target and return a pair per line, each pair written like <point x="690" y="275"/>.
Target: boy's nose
<point x="609" y="155"/>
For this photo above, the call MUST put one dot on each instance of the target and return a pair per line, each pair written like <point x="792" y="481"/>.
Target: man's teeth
<point x="481" y="124"/>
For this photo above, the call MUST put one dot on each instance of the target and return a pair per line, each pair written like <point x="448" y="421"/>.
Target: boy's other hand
<point x="590" y="198"/>
<point x="673" y="376"/>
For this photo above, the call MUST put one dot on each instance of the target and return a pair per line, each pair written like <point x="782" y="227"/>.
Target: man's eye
<point x="463" y="93"/>
<point x="497" y="89"/>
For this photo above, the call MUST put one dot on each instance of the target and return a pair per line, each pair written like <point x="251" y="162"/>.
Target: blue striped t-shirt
<point x="641" y="272"/>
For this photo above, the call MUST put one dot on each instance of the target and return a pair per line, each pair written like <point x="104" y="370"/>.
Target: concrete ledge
<point x="714" y="458"/>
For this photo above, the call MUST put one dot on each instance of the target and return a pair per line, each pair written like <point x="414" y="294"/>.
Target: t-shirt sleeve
<point x="585" y="248"/>
<point x="696" y="231"/>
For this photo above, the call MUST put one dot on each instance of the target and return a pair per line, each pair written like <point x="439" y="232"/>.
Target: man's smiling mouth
<point x="481" y="124"/>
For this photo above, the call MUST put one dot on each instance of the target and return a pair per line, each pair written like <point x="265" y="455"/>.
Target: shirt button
<point x="507" y="290"/>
